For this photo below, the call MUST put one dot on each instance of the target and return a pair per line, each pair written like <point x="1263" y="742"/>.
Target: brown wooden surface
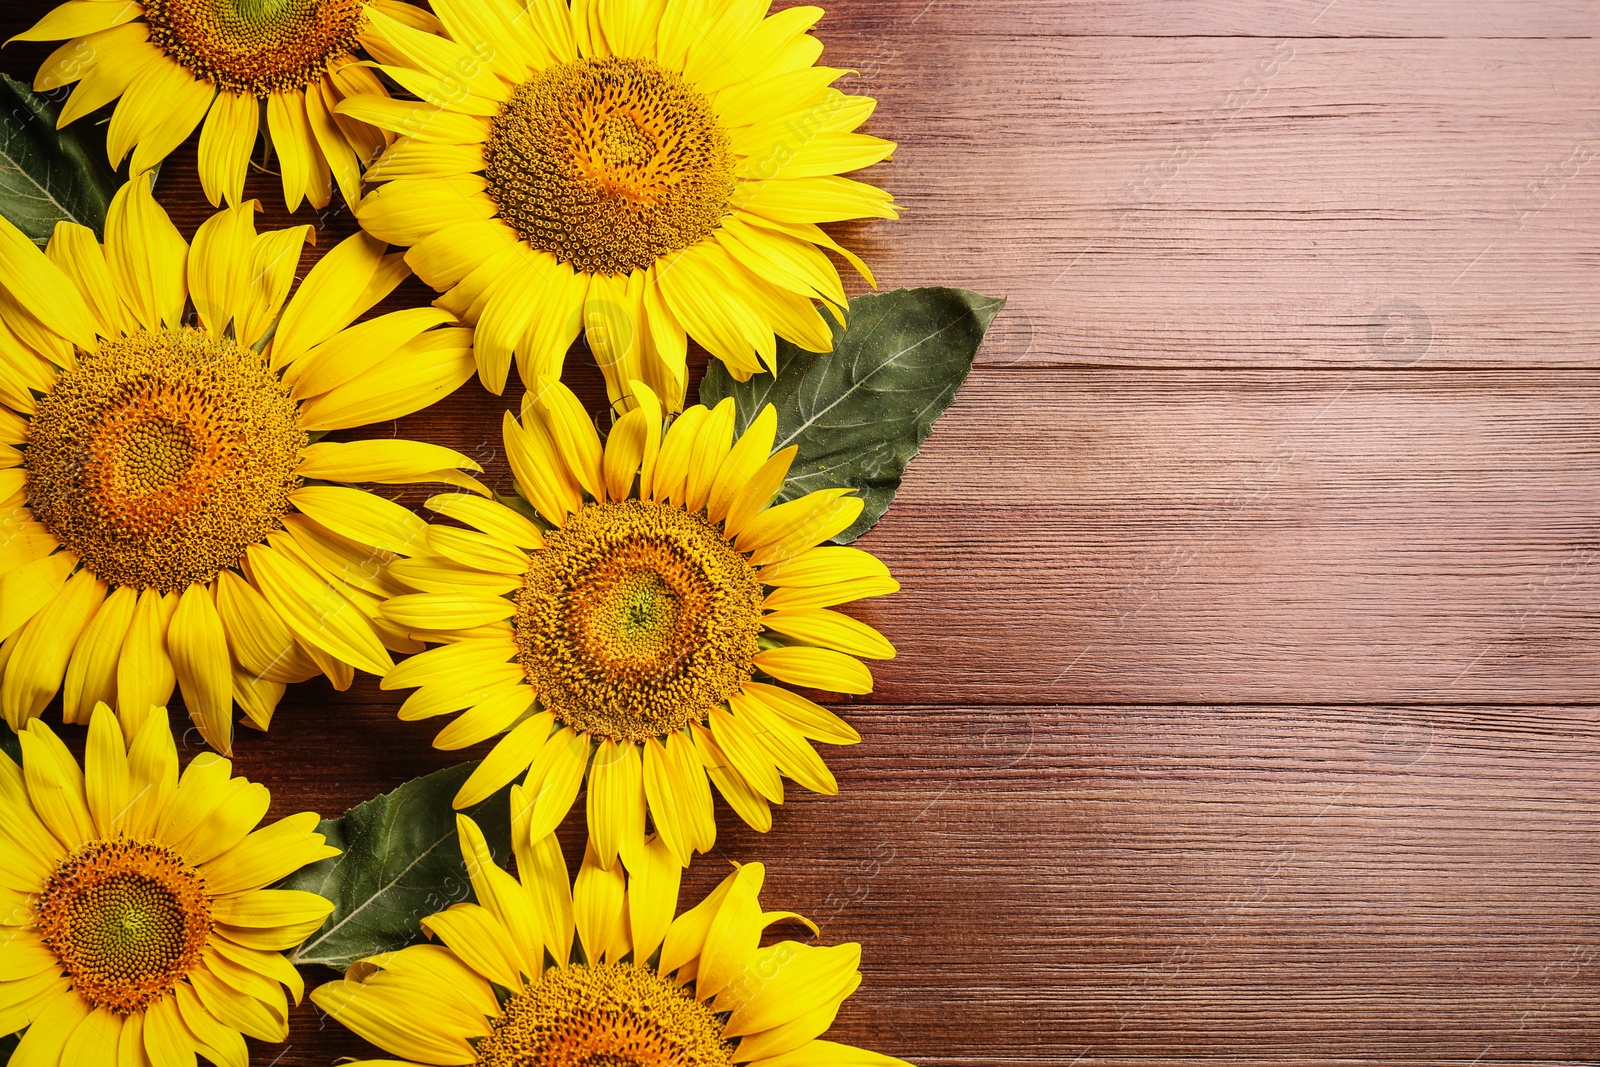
<point x="1248" y="705"/>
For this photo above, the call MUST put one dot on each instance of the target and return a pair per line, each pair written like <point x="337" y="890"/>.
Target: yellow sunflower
<point x="635" y="608"/>
<point x="164" y="515"/>
<point x="176" y="63"/>
<point x="538" y="971"/>
<point x="137" y="929"/>
<point x="646" y="170"/>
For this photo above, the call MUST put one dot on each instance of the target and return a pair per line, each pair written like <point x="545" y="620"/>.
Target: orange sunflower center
<point x="611" y="1015"/>
<point x="255" y="47"/>
<point x="636" y="618"/>
<point x="162" y="457"/>
<point x="126" y="919"/>
<point x="609" y="164"/>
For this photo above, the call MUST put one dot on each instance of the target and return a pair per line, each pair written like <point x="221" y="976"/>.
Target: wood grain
<point x="1248" y="700"/>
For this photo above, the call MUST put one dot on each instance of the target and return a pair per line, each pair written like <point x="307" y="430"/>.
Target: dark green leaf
<point x="9" y="744"/>
<point x="47" y="175"/>
<point x="8" y="1045"/>
<point x="860" y="413"/>
<point x="401" y="863"/>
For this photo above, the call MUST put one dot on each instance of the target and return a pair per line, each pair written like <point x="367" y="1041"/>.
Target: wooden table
<point x="1248" y="700"/>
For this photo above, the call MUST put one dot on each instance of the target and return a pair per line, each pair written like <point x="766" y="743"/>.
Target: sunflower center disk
<point x="255" y="47"/>
<point x="609" y="164"/>
<point x="126" y="919"/>
<point x="611" y="1015"/>
<point x="161" y="458"/>
<point x="636" y="618"/>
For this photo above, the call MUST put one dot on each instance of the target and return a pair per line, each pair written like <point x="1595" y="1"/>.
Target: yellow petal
<point x="553" y="781"/>
<point x="741" y="797"/>
<point x="732" y="937"/>
<point x="708" y="454"/>
<point x="511" y="755"/>
<point x="42" y="288"/>
<point x="797" y="979"/>
<point x="39" y="658"/>
<point x="542" y="870"/>
<point x="145" y="678"/>
<point x="599" y="908"/>
<point x="830" y="629"/>
<point x="758" y="490"/>
<point x="267" y="855"/>
<point x="55" y="785"/>
<point x="672" y="468"/>
<point x="76" y="250"/>
<point x="616" y="801"/>
<point x="811" y="719"/>
<point x="742" y="463"/>
<point x="482" y="942"/>
<point x="425" y="369"/>
<point x="27" y="589"/>
<point x="226" y="141"/>
<point x="503" y="897"/>
<point x="492" y="518"/>
<point x="652" y="897"/>
<point x="361" y="516"/>
<point x="199" y="648"/>
<point x="494" y="714"/>
<point x="445" y="611"/>
<point x="326" y="301"/>
<point x="78" y="18"/>
<point x="257" y="637"/>
<point x="273" y="262"/>
<point x="573" y="433"/>
<point x="43" y="1042"/>
<point x="220" y="244"/>
<point x="360" y="351"/>
<point x="783" y="743"/>
<point x="152" y="775"/>
<point x="106" y="776"/>
<point x="543" y="478"/>
<point x="317" y="613"/>
<point x="147" y="256"/>
<point x="816" y="668"/>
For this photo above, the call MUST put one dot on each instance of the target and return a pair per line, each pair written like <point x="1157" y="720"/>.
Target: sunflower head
<point x="257" y="47"/>
<point x="601" y="971"/>
<point x="642" y="173"/>
<point x="631" y="617"/>
<point x="169" y="522"/>
<point x="174" y="65"/>
<point x="140" y="915"/>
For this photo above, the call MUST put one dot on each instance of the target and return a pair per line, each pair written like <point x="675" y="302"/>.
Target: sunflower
<point x="176" y="63"/>
<point x="164" y="515"/>
<point x="648" y="170"/>
<point x="538" y="971"/>
<point x="138" y="931"/>
<point x="626" y="609"/>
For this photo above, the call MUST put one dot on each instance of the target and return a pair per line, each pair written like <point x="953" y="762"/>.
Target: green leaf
<point x="49" y="175"/>
<point x="401" y="863"/>
<point x="8" y="1045"/>
<point x="10" y="745"/>
<point x="861" y="412"/>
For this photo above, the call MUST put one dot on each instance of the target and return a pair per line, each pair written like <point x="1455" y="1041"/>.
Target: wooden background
<point x="1248" y="699"/>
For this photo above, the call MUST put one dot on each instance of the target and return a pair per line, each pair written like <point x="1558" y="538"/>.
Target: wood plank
<point x="1284" y="537"/>
<point x="1178" y="884"/>
<point x="1246" y="203"/>
<point x="1230" y="18"/>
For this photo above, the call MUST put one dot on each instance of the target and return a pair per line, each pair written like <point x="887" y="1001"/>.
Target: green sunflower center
<point x="636" y="618"/>
<point x="162" y="457"/>
<point x="255" y="47"/>
<point x="609" y="164"/>
<point x="610" y="1015"/>
<point x="126" y="919"/>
